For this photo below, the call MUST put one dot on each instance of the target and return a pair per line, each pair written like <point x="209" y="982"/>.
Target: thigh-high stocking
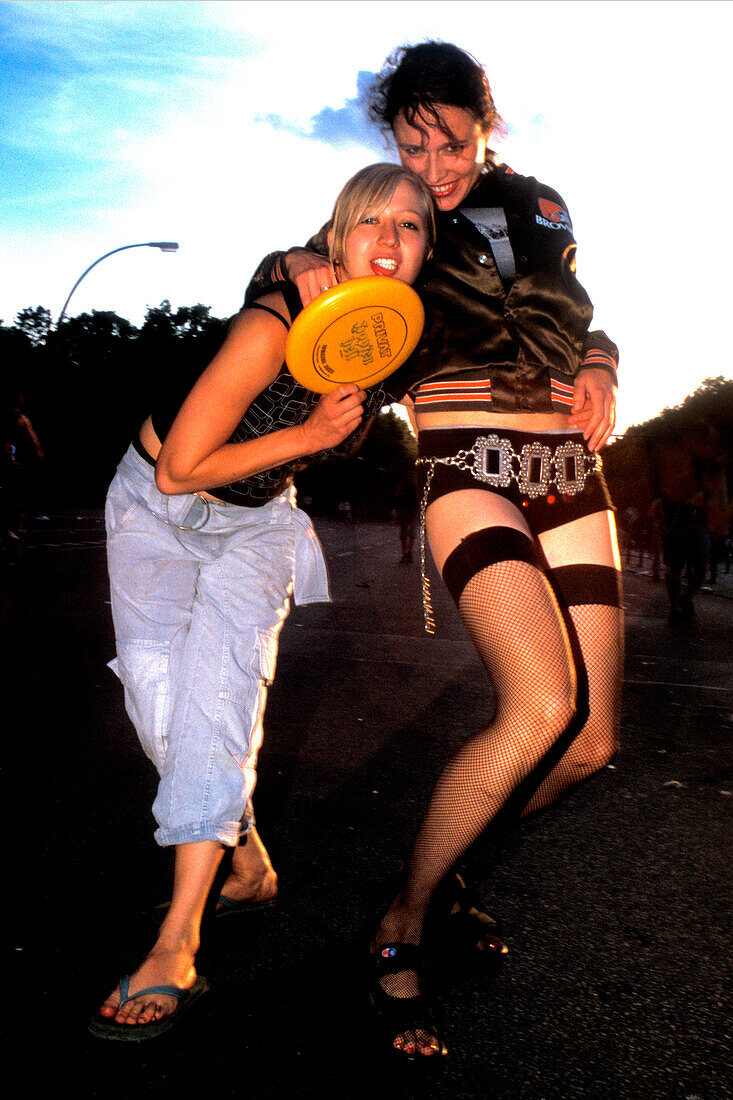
<point x="599" y="631"/>
<point x="514" y="621"/>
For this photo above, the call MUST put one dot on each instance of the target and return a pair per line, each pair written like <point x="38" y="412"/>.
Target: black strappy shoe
<point x="458" y="935"/>
<point x="394" y="1016"/>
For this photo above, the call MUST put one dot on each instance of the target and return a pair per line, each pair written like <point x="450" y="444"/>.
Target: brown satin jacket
<point x="517" y="338"/>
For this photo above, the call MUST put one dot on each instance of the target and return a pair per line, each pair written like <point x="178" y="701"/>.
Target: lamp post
<point x="164" y="246"/>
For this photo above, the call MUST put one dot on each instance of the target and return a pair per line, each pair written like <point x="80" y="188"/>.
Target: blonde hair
<point x="368" y="192"/>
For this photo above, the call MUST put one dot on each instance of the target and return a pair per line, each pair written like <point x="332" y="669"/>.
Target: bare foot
<point x="252" y="876"/>
<point x="162" y="967"/>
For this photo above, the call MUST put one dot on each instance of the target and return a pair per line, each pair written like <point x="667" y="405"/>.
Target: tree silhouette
<point x="89" y="384"/>
<point x="36" y="323"/>
<point x="661" y="456"/>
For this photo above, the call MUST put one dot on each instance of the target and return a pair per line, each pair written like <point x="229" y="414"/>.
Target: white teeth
<point x="388" y="265"/>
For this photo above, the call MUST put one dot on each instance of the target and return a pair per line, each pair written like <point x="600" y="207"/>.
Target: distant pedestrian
<point x="21" y="460"/>
<point x="406" y="509"/>
<point x="689" y="476"/>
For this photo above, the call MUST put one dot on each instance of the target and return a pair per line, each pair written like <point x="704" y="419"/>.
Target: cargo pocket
<point x="120" y="505"/>
<point x="310" y="581"/>
<point x="143" y="668"/>
<point x="248" y="670"/>
<point x="268" y="643"/>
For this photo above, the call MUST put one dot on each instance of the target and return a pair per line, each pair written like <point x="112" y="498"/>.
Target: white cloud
<point x="136" y="121"/>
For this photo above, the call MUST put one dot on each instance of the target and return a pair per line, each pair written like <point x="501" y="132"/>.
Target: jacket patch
<point x="553" y="216"/>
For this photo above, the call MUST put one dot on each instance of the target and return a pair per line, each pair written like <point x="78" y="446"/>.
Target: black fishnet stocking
<point x="600" y="636"/>
<point x="515" y="623"/>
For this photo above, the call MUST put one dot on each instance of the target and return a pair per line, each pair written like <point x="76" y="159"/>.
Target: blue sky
<point x="230" y="127"/>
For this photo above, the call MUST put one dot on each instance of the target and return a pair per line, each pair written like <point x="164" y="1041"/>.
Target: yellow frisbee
<point x="360" y="331"/>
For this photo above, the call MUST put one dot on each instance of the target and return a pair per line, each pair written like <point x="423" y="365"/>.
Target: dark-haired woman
<point x="511" y="398"/>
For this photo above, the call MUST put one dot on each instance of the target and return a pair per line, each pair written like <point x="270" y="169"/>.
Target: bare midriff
<point x="150" y="440"/>
<point x="521" y="422"/>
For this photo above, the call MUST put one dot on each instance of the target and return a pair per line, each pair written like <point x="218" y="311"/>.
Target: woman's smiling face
<point x="446" y="151"/>
<point x="391" y="241"/>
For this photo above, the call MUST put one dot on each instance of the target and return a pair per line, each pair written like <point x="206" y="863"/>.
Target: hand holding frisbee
<point x="360" y="331"/>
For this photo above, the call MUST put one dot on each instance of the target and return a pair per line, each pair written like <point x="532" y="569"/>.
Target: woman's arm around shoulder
<point x="306" y="268"/>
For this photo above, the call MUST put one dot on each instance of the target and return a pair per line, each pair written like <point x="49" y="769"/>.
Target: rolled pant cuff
<point x="225" y="832"/>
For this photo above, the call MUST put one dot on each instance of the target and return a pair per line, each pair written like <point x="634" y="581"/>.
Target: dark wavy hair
<point x="415" y="80"/>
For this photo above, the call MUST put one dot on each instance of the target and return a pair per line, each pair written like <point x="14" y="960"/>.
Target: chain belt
<point x="493" y="461"/>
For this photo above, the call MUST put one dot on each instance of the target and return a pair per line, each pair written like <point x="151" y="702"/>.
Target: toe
<point x="126" y="1013"/>
<point x="144" y="1012"/>
<point x="151" y="1011"/>
<point x="417" y="1043"/>
<point x="129" y="1012"/>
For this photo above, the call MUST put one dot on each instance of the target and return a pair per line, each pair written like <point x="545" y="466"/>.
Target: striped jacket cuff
<point x="600" y="360"/>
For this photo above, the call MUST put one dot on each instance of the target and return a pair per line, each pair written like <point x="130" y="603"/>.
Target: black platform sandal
<point x="458" y="935"/>
<point x="394" y="1016"/>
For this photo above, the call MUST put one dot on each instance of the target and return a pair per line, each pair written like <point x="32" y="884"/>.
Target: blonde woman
<point x="205" y="547"/>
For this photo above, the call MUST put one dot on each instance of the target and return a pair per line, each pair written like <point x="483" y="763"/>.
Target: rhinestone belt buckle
<point x="492" y="461"/>
<point x="572" y="466"/>
<point x="535" y="468"/>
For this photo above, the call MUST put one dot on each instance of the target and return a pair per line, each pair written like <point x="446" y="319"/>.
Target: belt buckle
<point x="189" y="512"/>
<point x="534" y="469"/>
<point x="493" y="461"/>
<point x="570" y="468"/>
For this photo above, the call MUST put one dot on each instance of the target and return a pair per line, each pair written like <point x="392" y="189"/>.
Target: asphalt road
<point x="616" y="903"/>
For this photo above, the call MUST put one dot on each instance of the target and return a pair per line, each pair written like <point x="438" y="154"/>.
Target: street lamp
<point x="164" y="246"/>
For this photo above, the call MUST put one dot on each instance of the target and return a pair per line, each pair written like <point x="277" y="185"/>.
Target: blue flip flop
<point x="229" y="907"/>
<point x="225" y="907"/>
<point x="104" y="1028"/>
